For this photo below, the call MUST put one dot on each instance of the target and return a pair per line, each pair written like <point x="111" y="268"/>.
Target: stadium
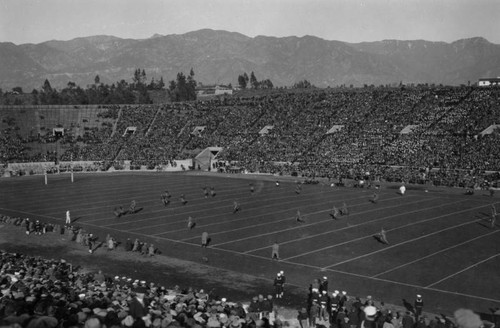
<point x="252" y="172"/>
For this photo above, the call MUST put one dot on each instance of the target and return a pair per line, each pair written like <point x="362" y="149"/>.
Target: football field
<point x="441" y="244"/>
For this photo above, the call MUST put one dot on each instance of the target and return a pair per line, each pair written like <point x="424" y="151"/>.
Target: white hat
<point x="282" y="272"/>
<point x="370" y="310"/>
<point x="325" y="278"/>
<point x="419" y="296"/>
<point x="344" y="292"/>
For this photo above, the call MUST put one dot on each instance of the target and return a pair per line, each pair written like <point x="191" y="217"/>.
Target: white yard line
<point x="435" y="253"/>
<point x="311" y="224"/>
<point x="459" y="272"/>
<point x="405" y="242"/>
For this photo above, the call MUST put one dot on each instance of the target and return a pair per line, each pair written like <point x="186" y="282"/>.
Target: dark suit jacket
<point x="136" y="309"/>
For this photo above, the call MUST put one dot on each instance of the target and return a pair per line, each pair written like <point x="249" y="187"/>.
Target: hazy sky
<point x="35" y="21"/>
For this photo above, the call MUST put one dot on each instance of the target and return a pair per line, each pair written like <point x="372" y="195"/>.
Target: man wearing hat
<point x="419" y="305"/>
<point x="334" y="304"/>
<point x="137" y="306"/>
<point x="323" y="285"/>
<point x="278" y="285"/>
<point x="370" y="313"/>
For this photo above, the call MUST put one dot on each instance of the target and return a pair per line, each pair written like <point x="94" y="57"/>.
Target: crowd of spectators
<point x="444" y="145"/>
<point x="38" y="293"/>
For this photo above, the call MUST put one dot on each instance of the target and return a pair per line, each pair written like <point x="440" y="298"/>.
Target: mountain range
<point x="221" y="56"/>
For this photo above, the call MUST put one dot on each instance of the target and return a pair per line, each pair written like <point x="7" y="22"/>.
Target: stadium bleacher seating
<point x="444" y="147"/>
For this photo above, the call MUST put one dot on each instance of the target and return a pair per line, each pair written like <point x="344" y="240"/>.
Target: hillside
<point x="220" y="56"/>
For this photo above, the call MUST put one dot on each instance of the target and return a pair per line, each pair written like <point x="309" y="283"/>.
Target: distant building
<point x="211" y="90"/>
<point x="486" y="82"/>
<point x="223" y="90"/>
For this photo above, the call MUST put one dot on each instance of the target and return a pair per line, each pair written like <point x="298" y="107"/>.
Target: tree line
<point x="244" y="80"/>
<point x="122" y="92"/>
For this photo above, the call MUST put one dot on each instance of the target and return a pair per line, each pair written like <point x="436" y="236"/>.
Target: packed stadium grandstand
<point x="442" y="142"/>
<point x="425" y="136"/>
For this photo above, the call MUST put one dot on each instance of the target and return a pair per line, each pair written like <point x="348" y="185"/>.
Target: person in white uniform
<point x="402" y="190"/>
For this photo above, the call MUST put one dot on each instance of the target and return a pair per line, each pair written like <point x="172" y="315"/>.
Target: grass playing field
<point x="441" y="244"/>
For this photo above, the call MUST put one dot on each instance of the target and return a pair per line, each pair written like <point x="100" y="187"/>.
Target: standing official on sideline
<point x="402" y="190"/>
<point x="68" y="217"/>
